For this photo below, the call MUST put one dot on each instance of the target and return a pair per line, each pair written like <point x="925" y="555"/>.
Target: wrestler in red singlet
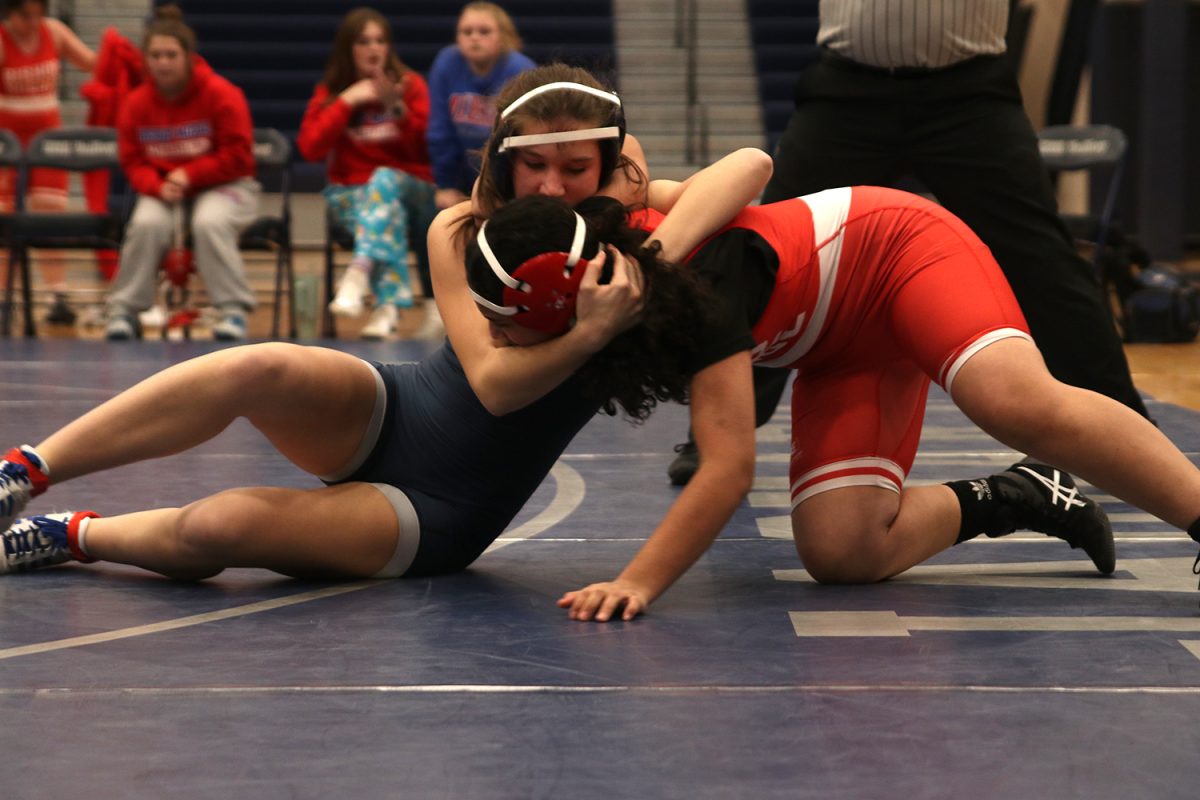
<point x="877" y="292"/>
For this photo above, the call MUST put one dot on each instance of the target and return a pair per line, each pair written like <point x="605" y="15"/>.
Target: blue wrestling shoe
<point x="22" y="476"/>
<point x="1041" y="498"/>
<point x="43" y="541"/>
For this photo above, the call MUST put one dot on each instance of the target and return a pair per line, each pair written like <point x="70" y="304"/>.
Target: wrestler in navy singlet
<point x="466" y="471"/>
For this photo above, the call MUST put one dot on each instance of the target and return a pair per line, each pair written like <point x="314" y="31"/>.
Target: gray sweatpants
<point x="219" y="214"/>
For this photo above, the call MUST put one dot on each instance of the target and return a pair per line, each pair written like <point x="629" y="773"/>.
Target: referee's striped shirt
<point x="913" y="33"/>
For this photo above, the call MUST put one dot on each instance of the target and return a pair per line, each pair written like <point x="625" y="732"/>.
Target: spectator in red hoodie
<point x="367" y="119"/>
<point x="185" y="140"/>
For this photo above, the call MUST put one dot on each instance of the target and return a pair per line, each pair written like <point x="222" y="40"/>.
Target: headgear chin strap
<point x="540" y="293"/>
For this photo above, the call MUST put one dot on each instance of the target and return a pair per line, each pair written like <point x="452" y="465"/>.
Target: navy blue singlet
<point x="466" y="472"/>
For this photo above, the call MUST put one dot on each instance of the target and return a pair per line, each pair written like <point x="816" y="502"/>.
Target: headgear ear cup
<point x="500" y="164"/>
<point x="540" y="293"/>
<point x="610" y="149"/>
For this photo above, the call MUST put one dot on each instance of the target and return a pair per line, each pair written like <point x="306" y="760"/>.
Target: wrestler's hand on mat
<point x="601" y="601"/>
<point x="611" y="296"/>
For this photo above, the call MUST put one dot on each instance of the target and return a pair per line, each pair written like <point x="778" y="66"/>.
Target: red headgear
<point x="540" y="293"/>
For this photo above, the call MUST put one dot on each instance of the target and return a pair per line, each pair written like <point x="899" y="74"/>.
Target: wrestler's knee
<point x="214" y="528"/>
<point x="837" y="552"/>
<point x="268" y="365"/>
<point x="842" y="535"/>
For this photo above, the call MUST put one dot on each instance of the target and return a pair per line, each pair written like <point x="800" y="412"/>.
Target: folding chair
<point x="10" y="158"/>
<point x="82" y="149"/>
<point x="336" y="237"/>
<point x="273" y="159"/>
<point x="1099" y="149"/>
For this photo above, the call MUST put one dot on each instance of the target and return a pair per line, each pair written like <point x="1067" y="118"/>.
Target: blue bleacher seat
<point x="806" y="9"/>
<point x="784" y="33"/>
<point x="397" y="10"/>
<point x="785" y="58"/>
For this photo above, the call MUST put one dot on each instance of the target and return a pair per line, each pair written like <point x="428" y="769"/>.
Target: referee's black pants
<point x="963" y="133"/>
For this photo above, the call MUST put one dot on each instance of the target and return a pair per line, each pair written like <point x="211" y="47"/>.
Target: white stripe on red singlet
<point x="865" y="471"/>
<point x="955" y="362"/>
<point x="830" y="209"/>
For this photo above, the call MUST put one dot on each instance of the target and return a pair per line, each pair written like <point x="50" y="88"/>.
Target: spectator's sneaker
<point x="122" y="327"/>
<point x="432" y="329"/>
<point x="43" y="541"/>
<point x="685" y="464"/>
<point x="1041" y="498"/>
<point x="231" y="327"/>
<point x="22" y="476"/>
<point x="348" y="302"/>
<point x="382" y="323"/>
<point x="60" y="312"/>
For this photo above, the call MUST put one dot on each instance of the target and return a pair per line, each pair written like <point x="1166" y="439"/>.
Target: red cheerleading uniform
<point x="875" y="292"/>
<point x="28" y="106"/>
<point x="358" y="140"/>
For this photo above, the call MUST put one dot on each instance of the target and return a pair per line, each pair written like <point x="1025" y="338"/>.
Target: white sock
<point x="81" y="539"/>
<point x="27" y="450"/>
<point x="363" y="265"/>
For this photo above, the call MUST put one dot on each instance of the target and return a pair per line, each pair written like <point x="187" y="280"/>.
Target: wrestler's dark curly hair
<point x="649" y="362"/>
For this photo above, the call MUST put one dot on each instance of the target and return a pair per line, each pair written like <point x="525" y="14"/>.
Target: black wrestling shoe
<point x="1041" y="498"/>
<point x="685" y="464"/>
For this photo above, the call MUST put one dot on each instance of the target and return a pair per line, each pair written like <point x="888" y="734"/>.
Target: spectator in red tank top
<point x="185" y="142"/>
<point x="30" y="48"/>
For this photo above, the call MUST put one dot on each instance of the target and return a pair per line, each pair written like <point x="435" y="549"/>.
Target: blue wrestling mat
<point x="1004" y="668"/>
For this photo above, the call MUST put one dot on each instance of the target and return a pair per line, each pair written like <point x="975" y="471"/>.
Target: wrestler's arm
<point x="505" y="381"/>
<point x="697" y="207"/>
<point x="508" y="378"/>
<point x="722" y="407"/>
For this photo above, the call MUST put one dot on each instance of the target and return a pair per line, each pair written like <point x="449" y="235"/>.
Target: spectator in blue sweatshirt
<point x="463" y="82"/>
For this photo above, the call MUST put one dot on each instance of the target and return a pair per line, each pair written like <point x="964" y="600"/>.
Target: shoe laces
<point x="14" y="480"/>
<point x="29" y="540"/>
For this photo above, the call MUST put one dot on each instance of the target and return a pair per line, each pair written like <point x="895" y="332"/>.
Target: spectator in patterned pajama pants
<point x="368" y="118"/>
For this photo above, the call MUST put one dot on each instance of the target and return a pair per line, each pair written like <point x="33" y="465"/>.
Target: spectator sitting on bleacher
<point x="184" y="138"/>
<point x="30" y="48"/>
<point x="368" y="118"/>
<point x="463" y="82"/>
